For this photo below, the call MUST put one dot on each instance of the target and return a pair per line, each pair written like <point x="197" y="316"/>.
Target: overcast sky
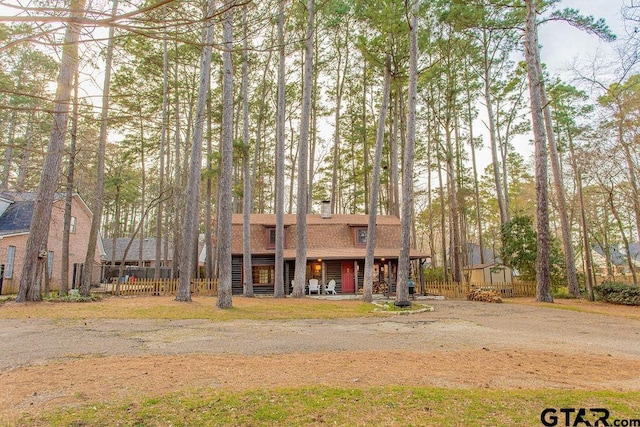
<point x="562" y="43"/>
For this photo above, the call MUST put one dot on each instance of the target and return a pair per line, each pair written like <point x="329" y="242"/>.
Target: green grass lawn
<point x="387" y="406"/>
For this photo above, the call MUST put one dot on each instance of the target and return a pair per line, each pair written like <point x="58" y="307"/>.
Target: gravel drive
<point x="47" y="363"/>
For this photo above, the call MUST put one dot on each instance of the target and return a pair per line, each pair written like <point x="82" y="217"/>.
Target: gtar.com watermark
<point x="588" y="417"/>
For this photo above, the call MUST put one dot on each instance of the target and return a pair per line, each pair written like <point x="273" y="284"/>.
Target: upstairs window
<point x="361" y="236"/>
<point x="72" y="225"/>
<point x="271" y="238"/>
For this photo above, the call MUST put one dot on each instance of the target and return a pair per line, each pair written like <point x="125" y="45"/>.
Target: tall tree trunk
<point x="365" y="145"/>
<point x="163" y="143"/>
<point x="143" y="196"/>
<point x="394" y="186"/>
<point x="476" y="185"/>
<point x="340" y="80"/>
<point x="116" y="225"/>
<point x="29" y="288"/>
<point x="208" y="212"/>
<point x="502" y="206"/>
<point x="367" y="295"/>
<point x="543" y="261"/>
<point x="443" y="223"/>
<point x="456" y="264"/>
<point x="26" y="154"/>
<point x="314" y="122"/>
<point x="625" y="240"/>
<point x="606" y="246"/>
<point x="258" y="147"/>
<point x="226" y="168"/>
<point x="66" y="225"/>
<point x="569" y="261"/>
<point x="178" y="202"/>
<point x="192" y="202"/>
<point x="292" y="156"/>
<point x="96" y="221"/>
<point x="628" y="157"/>
<point x="588" y="263"/>
<point x="432" y="244"/>
<point x="247" y="206"/>
<point x="279" y="286"/>
<point x="301" y="214"/>
<point x="8" y="154"/>
<point x="404" y="267"/>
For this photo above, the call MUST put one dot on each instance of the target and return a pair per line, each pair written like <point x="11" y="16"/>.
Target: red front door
<point x="348" y="282"/>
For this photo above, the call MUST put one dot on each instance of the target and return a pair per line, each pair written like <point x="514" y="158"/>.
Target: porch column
<point x="423" y="288"/>
<point x="323" y="286"/>
<point x="355" y="274"/>
<point x="391" y="278"/>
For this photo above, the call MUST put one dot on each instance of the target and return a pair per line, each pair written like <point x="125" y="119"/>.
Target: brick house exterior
<point x="16" y="211"/>
<point x="336" y="249"/>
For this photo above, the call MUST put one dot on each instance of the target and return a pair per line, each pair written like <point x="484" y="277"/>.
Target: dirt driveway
<point x="460" y="344"/>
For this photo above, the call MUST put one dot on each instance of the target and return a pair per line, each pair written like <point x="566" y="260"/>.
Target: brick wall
<point x="78" y="243"/>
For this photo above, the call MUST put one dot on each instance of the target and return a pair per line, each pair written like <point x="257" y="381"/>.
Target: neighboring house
<point x="472" y="255"/>
<point x="489" y="273"/>
<point x="16" y="211"/>
<point x="618" y="258"/>
<point x="336" y="249"/>
<point x="148" y="258"/>
<point x="140" y="264"/>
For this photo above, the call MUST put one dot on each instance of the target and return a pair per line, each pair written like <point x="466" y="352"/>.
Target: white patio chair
<point x="331" y="287"/>
<point x="314" y="286"/>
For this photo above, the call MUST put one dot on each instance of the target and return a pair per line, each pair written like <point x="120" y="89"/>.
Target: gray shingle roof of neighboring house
<point x="618" y="254"/>
<point x="16" y="211"/>
<point x="472" y="253"/>
<point x="16" y="219"/>
<point x="148" y="249"/>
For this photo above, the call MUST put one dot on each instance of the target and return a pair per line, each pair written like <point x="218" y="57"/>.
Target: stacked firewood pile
<point x="379" y="287"/>
<point x="484" y="295"/>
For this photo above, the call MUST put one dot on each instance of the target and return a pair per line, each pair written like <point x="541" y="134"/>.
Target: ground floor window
<point x="50" y="264"/>
<point x="263" y="274"/>
<point x="11" y="256"/>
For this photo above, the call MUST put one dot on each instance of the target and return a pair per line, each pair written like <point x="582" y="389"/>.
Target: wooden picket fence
<point x="461" y="290"/>
<point x="169" y="287"/>
<point x="162" y="287"/>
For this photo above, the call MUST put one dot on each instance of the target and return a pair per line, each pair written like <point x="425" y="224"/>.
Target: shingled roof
<point x="16" y="219"/>
<point x="327" y="238"/>
<point x="148" y="249"/>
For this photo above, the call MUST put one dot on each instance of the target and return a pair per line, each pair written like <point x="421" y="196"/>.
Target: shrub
<point x="560" y="292"/>
<point x="433" y="274"/>
<point x="618" y="293"/>
<point x="72" y="297"/>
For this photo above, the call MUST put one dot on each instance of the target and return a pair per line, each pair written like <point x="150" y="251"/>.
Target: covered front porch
<point x="347" y="274"/>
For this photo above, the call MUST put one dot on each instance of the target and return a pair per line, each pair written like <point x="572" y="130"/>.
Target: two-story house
<point x="336" y="249"/>
<point x="16" y="211"/>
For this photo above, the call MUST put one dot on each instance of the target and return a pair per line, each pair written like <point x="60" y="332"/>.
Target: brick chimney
<point x="325" y="209"/>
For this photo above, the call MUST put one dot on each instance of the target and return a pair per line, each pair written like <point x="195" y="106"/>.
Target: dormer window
<point x="360" y="236"/>
<point x="271" y="237"/>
